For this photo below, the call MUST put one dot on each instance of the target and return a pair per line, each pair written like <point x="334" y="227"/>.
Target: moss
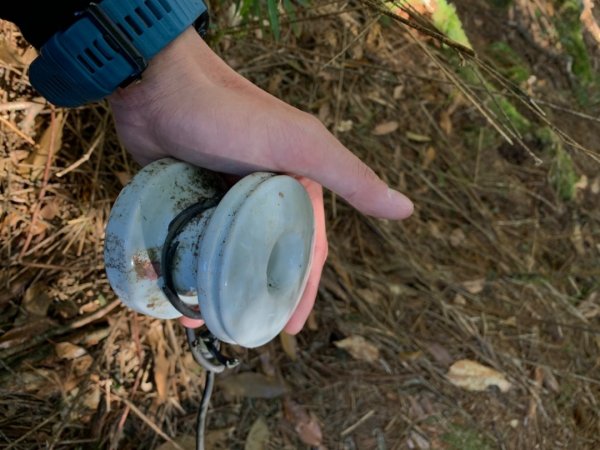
<point x="509" y="62"/>
<point x="562" y="175"/>
<point x="459" y="438"/>
<point x="569" y="29"/>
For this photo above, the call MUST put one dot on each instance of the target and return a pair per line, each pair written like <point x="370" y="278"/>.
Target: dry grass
<point x="494" y="266"/>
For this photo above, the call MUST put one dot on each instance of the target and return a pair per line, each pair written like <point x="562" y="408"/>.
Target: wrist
<point x="164" y="72"/>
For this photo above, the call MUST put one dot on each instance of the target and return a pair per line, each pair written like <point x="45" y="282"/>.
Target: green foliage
<point x="570" y="31"/>
<point x="509" y="62"/>
<point x="563" y="176"/>
<point x="271" y="11"/>
<point x="459" y="438"/>
<point x="447" y="21"/>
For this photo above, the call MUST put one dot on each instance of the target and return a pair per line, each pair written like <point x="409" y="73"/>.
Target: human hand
<point x="191" y="106"/>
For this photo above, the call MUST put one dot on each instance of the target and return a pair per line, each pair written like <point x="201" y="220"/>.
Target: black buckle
<point x="117" y="40"/>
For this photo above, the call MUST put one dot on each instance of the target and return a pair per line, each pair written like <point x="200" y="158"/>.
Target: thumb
<point x="312" y="151"/>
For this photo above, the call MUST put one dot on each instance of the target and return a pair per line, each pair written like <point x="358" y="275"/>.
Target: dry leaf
<point x="289" y="345"/>
<point x="457" y="237"/>
<point x="27" y="125"/>
<point x="252" y="385"/>
<point x="9" y="53"/>
<point x="472" y="376"/>
<point x="439" y="353"/>
<point x="588" y="21"/>
<point x="398" y="91"/>
<point x="21" y="334"/>
<point x="385" y="128"/>
<point x="446" y="122"/>
<point x="267" y="365"/>
<point x="157" y="341"/>
<point x="590" y="307"/>
<point x="124" y="177"/>
<point x="429" y="156"/>
<point x="344" y="126"/>
<point x="49" y="144"/>
<point x="311" y="322"/>
<point x="185" y="442"/>
<point x="305" y="424"/>
<point x="550" y="380"/>
<point x="415" y="137"/>
<point x="36" y="300"/>
<point x="92" y="398"/>
<point x="66" y="350"/>
<point x="474" y="286"/>
<point x="359" y="348"/>
<point x="417" y="441"/>
<point x="51" y="209"/>
<point x="258" y="436"/>
<point x="82" y="364"/>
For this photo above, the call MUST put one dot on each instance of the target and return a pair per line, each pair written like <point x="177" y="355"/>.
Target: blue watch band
<point x="107" y="47"/>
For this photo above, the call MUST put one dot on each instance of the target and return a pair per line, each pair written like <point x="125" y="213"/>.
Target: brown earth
<point x="494" y="267"/>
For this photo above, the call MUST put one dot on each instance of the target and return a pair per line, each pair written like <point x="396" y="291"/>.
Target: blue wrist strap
<point x="107" y="47"/>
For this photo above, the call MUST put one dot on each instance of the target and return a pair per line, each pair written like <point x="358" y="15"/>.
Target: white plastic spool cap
<point x="245" y="262"/>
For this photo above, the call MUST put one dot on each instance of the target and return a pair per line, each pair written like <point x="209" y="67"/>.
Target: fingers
<point x="307" y="301"/>
<point x="312" y="151"/>
<point x="190" y="323"/>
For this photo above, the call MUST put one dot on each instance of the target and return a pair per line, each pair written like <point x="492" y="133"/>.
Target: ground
<point x="497" y="266"/>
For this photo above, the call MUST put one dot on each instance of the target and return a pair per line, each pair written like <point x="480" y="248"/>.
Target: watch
<point x="109" y="46"/>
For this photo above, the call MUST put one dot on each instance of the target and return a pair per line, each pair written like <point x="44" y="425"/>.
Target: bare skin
<point x="190" y="105"/>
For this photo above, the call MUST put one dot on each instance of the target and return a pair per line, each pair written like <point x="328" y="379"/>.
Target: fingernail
<point x="404" y="207"/>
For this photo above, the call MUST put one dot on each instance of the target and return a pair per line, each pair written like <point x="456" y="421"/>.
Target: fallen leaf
<point x="36" y="300"/>
<point x="267" y="365"/>
<point x="156" y="338"/>
<point x="92" y="398"/>
<point x="472" y="376"/>
<point x="459" y="300"/>
<point x="49" y="144"/>
<point x="590" y="307"/>
<point x="123" y="177"/>
<point x="474" y="286"/>
<point x="66" y="350"/>
<point x="385" y="128"/>
<point x="93" y="337"/>
<point x="252" y="385"/>
<point x="595" y="187"/>
<point x="429" y="156"/>
<point x="289" y="345"/>
<point x="27" y="125"/>
<point x="9" y="53"/>
<point x="415" y="137"/>
<point x="306" y="425"/>
<point x="185" y="442"/>
<point x="417" y="441"/>
<point x="344" y="126"/>
<point x="359" y="348"/>
<point x="550" y="380"/>
<point x="446" y="122"/>
<point x="439" y="353"/>
<point x="82" y="364"/>
<point x="19" y="335"/>
<point x="311" y="323"/>
<point x="258" y="436"/>
<point x="398" y="91"/>
<point x="457" y="237"/>
<point x="51" y="209"/>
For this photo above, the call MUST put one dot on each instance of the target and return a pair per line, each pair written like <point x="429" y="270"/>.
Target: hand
<point x="191" y="106"/>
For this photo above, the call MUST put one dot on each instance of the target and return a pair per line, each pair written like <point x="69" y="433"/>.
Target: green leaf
<point x="274" y="18"/>
<point x="290" y="9"/>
